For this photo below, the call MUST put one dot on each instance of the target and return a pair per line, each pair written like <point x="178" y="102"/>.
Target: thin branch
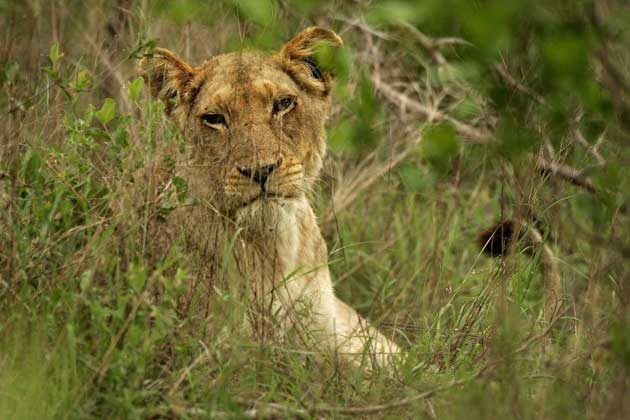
<point x="428" y="44"/>
<point x="467" y="132"/>
<point x="567" y="173"/>
<point x="364" y="27"/>
<point x="594" y="149"/>
<point x="510" y="80"/>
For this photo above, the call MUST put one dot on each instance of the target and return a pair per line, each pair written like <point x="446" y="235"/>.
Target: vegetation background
<point x="449" y="116"/>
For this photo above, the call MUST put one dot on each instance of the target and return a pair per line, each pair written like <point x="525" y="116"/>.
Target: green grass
<point x="93" y="325"/>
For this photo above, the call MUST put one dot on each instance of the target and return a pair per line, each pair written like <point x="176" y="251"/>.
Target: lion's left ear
<point x="297" y="57"/>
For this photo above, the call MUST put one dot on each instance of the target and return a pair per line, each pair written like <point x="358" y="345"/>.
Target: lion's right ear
<point x="167" y="76"/>
<point x="298" y="58"/>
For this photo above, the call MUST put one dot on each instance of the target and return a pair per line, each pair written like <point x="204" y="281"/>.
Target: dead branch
<point x="510" y="80"/>
<point x="428" y="44"/>
<point x="594" y="149"/>
<point x="572" y="175"/>
<point x="468" y="133"/>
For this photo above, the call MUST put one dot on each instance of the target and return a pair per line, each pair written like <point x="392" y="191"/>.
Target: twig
<point x="469" y="133"/>
<point x="450" y="40"/>
<point x="428" y="44"/>
<point x="510" y="80"/>
<point x="273" y="411"/>
<point x="594" y="149"/>
<point x="567" y="173"/>
<point x="364" y="27"/>
<point x="613" y="72"/>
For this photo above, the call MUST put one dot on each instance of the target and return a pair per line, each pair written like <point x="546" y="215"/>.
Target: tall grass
<point x="432" y="140"/>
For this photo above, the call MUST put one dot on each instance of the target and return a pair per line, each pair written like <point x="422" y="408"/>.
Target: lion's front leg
<point x="307" y="300"/>
<point x="334" y="324"/>
<point x="358" y="338"/>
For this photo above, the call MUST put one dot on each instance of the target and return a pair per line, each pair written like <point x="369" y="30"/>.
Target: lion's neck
<point x="264" y="253"/>
<point x="292" y="245"/>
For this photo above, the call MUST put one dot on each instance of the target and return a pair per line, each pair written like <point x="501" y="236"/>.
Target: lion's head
<point x="255" y="121"/>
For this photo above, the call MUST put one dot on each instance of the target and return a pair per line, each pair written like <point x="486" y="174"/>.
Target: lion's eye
<point x="283" y="105"/>
<point x="214" y="120"/>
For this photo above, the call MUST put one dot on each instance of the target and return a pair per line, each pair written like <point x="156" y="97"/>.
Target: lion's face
<point x="256" y="134"/>
<point x="255" y="122"/>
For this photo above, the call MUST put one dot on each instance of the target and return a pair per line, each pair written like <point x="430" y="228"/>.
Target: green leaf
<point x="81" y="82"/>
<point x="515" y="139"/>
<point x="259" y="11"/>
<point x="439" y="144"/>
<point x="467" y="109"/>
<point x="340" y="137"/>
<point x="138" y="278"/>
<point x="610" y="177"/>
<point x="620" y="342"/>
<point x="566" y="59"/>
<point x="335" y="60"/>
<point x="135" y="87"/>
<point x="107" y="111"/>
<point x="396" y="11"/>
<point x="54" y="54"/>
<point x="85" y="280"/>
<point x="488" y="27"/>
<point x="11" y="72"/>
<point x="181" y="186"/>
<point x="413" y="178"/>
<point x="143" y="47"/>
<point x="598" y="210"/>
<point x="31" y="165"/>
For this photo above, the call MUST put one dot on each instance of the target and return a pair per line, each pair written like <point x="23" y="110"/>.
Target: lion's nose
<point x="260" y="174"/>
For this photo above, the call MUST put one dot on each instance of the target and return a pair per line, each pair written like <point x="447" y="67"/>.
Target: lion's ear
<point x="167" y="76"/>
<point x="298" y="58"/>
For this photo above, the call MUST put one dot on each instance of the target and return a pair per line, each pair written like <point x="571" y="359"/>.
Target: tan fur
<point x="279" y="248"/>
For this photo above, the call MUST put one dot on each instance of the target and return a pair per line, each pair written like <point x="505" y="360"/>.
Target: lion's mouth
<point x="267" y="196"/>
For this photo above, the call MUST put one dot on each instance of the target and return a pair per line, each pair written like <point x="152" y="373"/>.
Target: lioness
<point x="255" y="123"/>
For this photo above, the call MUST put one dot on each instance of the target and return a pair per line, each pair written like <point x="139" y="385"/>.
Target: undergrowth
<point x="490" y="113"/>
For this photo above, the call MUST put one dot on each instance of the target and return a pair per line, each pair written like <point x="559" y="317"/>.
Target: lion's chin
<point x="264" y="216"/>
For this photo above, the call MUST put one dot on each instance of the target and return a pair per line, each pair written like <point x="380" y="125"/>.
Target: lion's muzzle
<point x="267" y="180"/>
<point x="260" y="174"/>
